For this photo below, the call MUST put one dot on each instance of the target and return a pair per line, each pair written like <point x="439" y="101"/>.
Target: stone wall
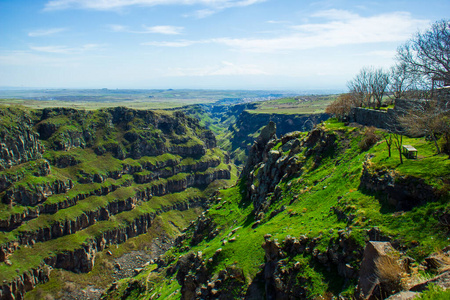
<point x="372" y="117"/>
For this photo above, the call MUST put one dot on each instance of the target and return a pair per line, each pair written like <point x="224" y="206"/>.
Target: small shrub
<point x="390" y="274"/>
<point x="434" y="292"/>
<point x="369" y="139"/>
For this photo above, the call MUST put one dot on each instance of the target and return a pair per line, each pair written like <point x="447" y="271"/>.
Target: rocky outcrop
<point x="19" y="143"/>
<point x="248" y="123"/>
<point x="69" y="226"/>
<point x="281" y="274"/>
<point x="401" y="192"/>
<point x="14" y="220"/>
<point x="25" y="282"/>
<point x="146" y="133"/>
<point x="272" y="160"/>
<point x="37" y="168"/>
<point x="34" y="193"/>
<point x="197" y="282"/>
<point x="82" y="259"/>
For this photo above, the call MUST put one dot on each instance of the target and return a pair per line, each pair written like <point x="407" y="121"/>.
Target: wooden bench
<point x="409" y="151"/>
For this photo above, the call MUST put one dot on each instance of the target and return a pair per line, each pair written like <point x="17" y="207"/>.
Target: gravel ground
<point x="124" y="266"/>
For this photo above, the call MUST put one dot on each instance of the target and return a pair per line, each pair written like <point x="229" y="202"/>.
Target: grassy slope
<point x="296" y="105"/>
<point x="308" y="199"/>
<point x="88" y="164"/>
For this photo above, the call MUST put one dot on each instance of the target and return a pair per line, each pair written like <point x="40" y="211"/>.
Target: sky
<point x="203" y="44"/>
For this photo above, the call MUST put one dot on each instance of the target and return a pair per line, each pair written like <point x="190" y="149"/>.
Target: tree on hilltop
<point x="369" y="86"/>
<point x="342" y="106"/>
<point x="428" y="53"/>
<point x="429" y="118"/>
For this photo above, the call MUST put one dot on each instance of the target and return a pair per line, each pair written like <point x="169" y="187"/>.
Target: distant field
<point x="295" y="105"/>
<point x="137" y="99"/>
<point x="91" y="105"/>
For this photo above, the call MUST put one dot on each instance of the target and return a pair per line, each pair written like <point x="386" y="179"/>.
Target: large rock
<point x="19" y="143"/>
<point x="372" y="284"/>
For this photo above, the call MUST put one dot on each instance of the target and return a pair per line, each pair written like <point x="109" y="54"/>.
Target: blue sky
<point x="208" y="44"/>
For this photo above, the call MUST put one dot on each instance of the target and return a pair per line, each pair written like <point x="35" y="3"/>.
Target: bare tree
<point x="378" y="84"/>
<point x="428" y="118"/>
<point x="400" y="81"/>
<point x="342" y="106"/>
<point x="388" y="138"/>
<point x="359" y="87"/>
<point x="407" y="85"/>
<point x="369" y="86"/>
<point x="428" y="53"/>
<point x="398" y="143"/>
<point x="394" y="136"/>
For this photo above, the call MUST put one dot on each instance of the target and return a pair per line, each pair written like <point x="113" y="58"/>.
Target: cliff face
<point x="124" y="132"/>
<point x="300" y="220"/>
<point x="92" y="179"/>
<point x="237" y="125"/>
<point x="19" y="143"/>
<point x="268" y="164"/>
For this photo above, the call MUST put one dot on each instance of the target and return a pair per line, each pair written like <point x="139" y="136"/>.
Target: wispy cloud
<point x="161" y="29"/>
<point x="61" y="49"/>
<point x="164" y="29"/>
<point x="45" y="32"/>
<point x="119" y="4"/>
<point x="174" y="44"/>
<point x="338" y="28"/>
<point x="31" y="58"/>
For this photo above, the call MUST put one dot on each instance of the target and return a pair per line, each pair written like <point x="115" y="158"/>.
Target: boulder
<point x="371" y="284"/>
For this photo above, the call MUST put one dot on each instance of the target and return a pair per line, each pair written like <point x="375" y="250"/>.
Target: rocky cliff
<point x="19" y="143"/>
<point x="73" y="182"/>
<point x="313" y="216"/>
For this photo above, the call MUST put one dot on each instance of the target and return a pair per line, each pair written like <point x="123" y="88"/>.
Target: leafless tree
<point x="388" y="138"/>
<point x="400" y="81"/>
<point x="342" y="106"/>
<point x="398" y="143"/>
<point x="369" y="86"/>
<point x="394" y="136"/>
<point x="407" y="85"/>
<point x="428" y="118"/>
<point x="359" y="87"/>
<point x="428" y="53"/>
<point x="378" y="84"/>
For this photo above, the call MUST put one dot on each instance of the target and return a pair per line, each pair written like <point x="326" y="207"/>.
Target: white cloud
<point x="61" y="49"/>
<point x="340" y="28"/>
<point x="118" y="4"/>
<point x="161" y="29"/>
<point x="175" y="44"/>
<point x="29" y="58"/>
<point x="164" y="29"/>
<point x="46" y="32"/>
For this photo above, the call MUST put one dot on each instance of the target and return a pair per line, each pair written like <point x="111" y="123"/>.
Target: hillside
<point x="236" y="126"/>
<point x="297" y="225"/>
<point x="75" y="182"/>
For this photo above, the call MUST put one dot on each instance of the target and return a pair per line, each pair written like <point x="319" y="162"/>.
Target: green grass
<point x="308" y="198"/>
<point x="26" y="258"/>
<point x="434" y="293"/>
<point x="297" y="105"/>
<point x="429" y="166"/>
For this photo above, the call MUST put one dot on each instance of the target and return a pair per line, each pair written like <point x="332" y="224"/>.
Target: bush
<point x="434" y="292"/>
<point x="369" y="139"/>
<point x="390" y="275"/>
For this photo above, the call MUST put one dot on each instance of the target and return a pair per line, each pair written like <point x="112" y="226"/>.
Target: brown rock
<point x="368" y="279"/>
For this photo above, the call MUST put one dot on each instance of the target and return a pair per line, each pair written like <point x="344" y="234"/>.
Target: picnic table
<point x="409" y="151"/>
